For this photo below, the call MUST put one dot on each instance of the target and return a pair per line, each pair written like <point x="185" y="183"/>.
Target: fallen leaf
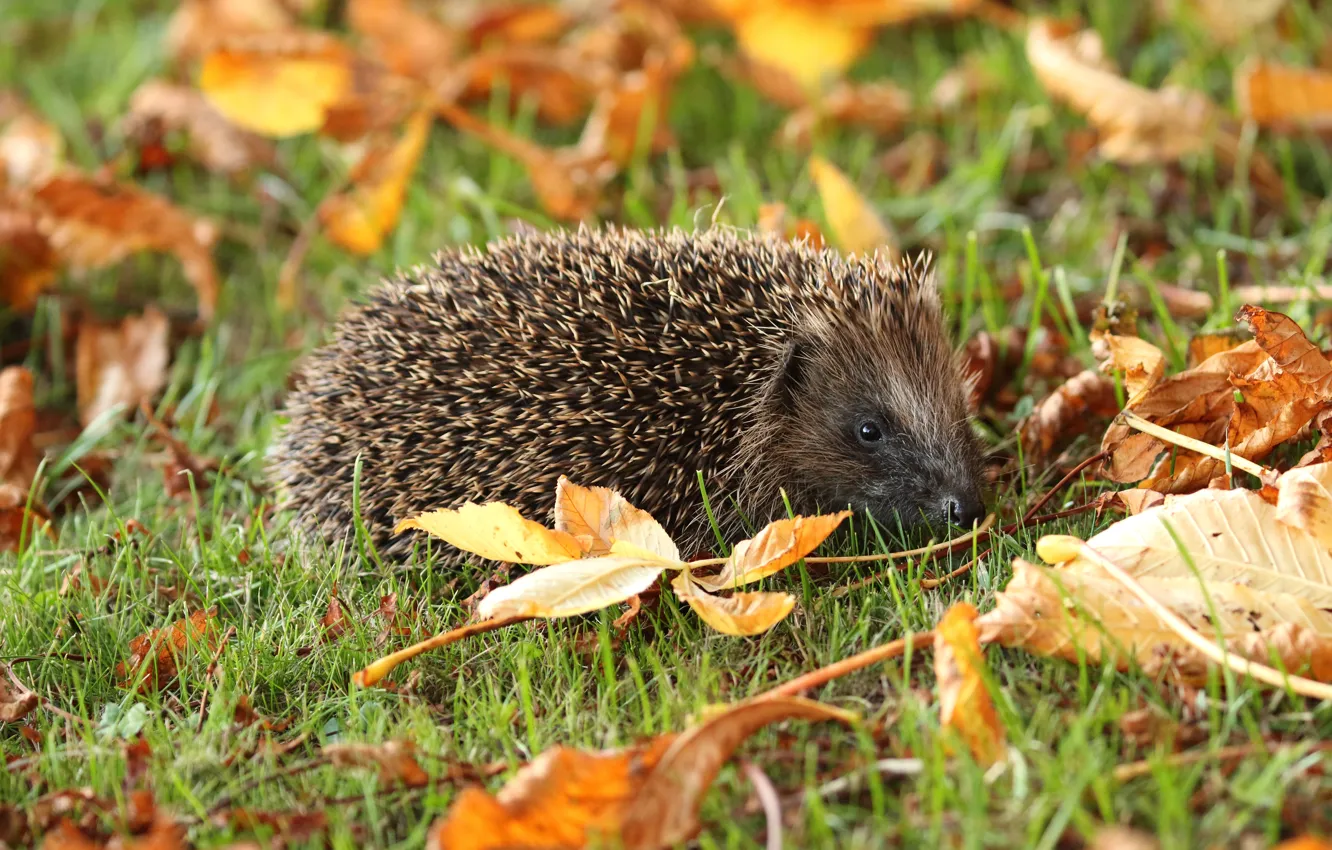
<point x="1275" y="95"/>
<point x="160" y="651"/>
<point x="739" y="614"/>
<point x="407" y="42"/>
<point x="121" y="363"/>
<point x="158" y="107"/>
<point x="1227" y="21"/>
<point x="333" y="624"/>
<point x="598" y="516"/>
<point x="1071" y="409"/>
<point x="359" y="219"/>
<point x="964" y="701"/>
<point x="521" y="23"/>
<point x="95" y="223"/>
<point x="15" y="703"/>
<point x="21" y="517"/>
<point x="1136" y="124"/>
<point x="497" y="532"/>
<point x="31" y="148"/>
<point x="197" y="26"/>
<point x="277" y="84"/>
<point x="572" y="587"/>
<point x="777" y="546"/>
<point x="880" y="107"/>
<point x="27" y="261"/>
<point x="643" y="797"/>
<point x="1142" y="364"/>
<point x="396" y="761"/>
<point x="18" y="422"/>
<point x="802" y="42"/>
<point x="773" y="218"/>
<point x="856" y="227"/>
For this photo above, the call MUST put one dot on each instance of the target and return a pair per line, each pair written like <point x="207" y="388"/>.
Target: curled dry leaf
<point x="497" y="532"/>
<point x="1256" y="575"/>
<point x="18" y="421"/>
<point x="93" y="223"/>
<point x="396" y="761"/>
<point x="1136" y="124"/>
<point x="358" y="220"/>
<point x="280" y="83"/>
<point x="122" y="363"/>
<point x="15" y="703"/>
<point x="406" y="41"/>
<point x="856" y="227"/>
<point x="572" y="587"/>
<point x="158" y="107"/>
<point x="599" y="516"/>
<point x="777" y="546"/>
<point x="1071" y="409"/>
<point x="964" y="701"/>
<point x="1275" y="95"/>
<point x="159" y="652"/>
<point x="1283" y="380"/>
<point x="647" y="796"/>
<point x="739" y="614"/>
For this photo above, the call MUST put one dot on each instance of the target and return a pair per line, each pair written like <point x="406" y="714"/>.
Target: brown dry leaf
<point x="405" y="40"/>
<point x="1137" y="500"/>
<point x="778" y="545"/>
<point x="31" y="148"/>
<point x="636" y="104"/>
<point x="121" y="363"/>
<point x="94" y="223"/>
<point x="1068" y="411"/>
<point x="562" y="84"/>
<point x="598" y="517"/>
<point x="1136" y="124"/>
<point x="497" y="532"/>
<point x="644" y="797"/>
<point x="739" y="614"/>
<point x="278" y="84"/>
<point x="1254" y="574"/>
<point x="18" y="422"/>
<point x="333" y="624"/>
<point x="20" y="522"/>
<point x="574" y="587"/>
<point x="1205" y="345"/>
<point x="773" y="218"/>
<point x="198" y="25"/>
<point x="1142" y="363"/>
<point x="1284" y="382"/>
<point x="396" y="761"/>
<point x="27" y="261"/>
<point x="359" y="219"/>
<point x="517" y="23"/>
<point x="856" y="227"/>
<point x="1277" y="95"/>
<point x="15" y="703"/>
<point x="74" y="579"/>
<point x="163" y="649"/>
<point x="964" y="701"/>
<point x="159" y="107"/>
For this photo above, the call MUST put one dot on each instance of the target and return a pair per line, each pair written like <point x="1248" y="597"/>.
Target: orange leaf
<point x="163" y="650"/>
<point x="778" y="545"/>
<point x="740" y="614"/>
<point x="120" y="364"/>
<point x="18" y="421"/>
<point x="964" y="702"/>
<point x="359" y="219"/>
<point x="27" y="261"/>
<point x="277" y="84"/>
<point x="407" y="42"/>
<point x="599" y="516"/>
<point x="95" y="223"/>
<point x="1281" y="96"/>
<point x="18" y="521"/>
<point x="396" y="761"/>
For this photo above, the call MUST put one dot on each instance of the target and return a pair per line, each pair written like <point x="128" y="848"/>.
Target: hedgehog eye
<point x="869" y="432"/>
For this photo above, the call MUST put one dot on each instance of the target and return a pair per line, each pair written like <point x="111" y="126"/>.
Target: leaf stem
<point x="836" y="670"/>
<point x="372" y="674"/>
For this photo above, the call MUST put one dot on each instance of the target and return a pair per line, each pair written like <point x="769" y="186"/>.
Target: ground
<point x="1009" y="168"/>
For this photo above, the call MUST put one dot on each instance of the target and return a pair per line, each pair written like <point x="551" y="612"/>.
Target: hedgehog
<point x="789" y="377"/>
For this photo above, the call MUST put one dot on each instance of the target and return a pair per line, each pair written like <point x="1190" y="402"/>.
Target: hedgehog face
<point x="865" y="412"/>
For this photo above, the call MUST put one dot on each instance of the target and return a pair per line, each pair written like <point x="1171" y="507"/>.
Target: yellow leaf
<point x="497" y="532"/>
<point x="964" y="703"/>
<point x="805" y="43"/>
<point x="780" y="544"/>
<point x="277" y="84"/>
<point x="602" y="516"/>
<point x="739" y="614"/>
<point x="571" y="587"/>
<point x="1278" y="95"/>
<point x="856" y="227"/>
<point x="357" y="220"/>
<point x="625" y="549"/>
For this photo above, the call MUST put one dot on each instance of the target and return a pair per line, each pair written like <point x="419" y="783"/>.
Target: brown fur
<point x="632" y="360"/>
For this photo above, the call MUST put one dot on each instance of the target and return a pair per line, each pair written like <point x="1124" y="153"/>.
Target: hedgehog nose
<point x="963" y="510"/>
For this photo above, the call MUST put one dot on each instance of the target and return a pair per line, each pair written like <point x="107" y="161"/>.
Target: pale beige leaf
<point x="739" y="614"/>
<point x="1232" y="536"/>
<point x="776" y="547"/>
<point x="1304" y="501"/>
<point x="498" y="532"/>
<point x="602" y="516"/>
<point x="1136" y="124"/>
<point x="664" y="812"/>
<point x="571" y="587"/>
<point x="856" y="227"/>
<point x="1142" y="363"/>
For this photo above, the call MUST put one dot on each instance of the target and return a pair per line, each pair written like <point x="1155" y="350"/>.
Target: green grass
<point x="508" y="695"/>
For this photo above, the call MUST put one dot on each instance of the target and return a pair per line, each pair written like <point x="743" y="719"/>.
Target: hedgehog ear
<point x="788" y="382"/>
